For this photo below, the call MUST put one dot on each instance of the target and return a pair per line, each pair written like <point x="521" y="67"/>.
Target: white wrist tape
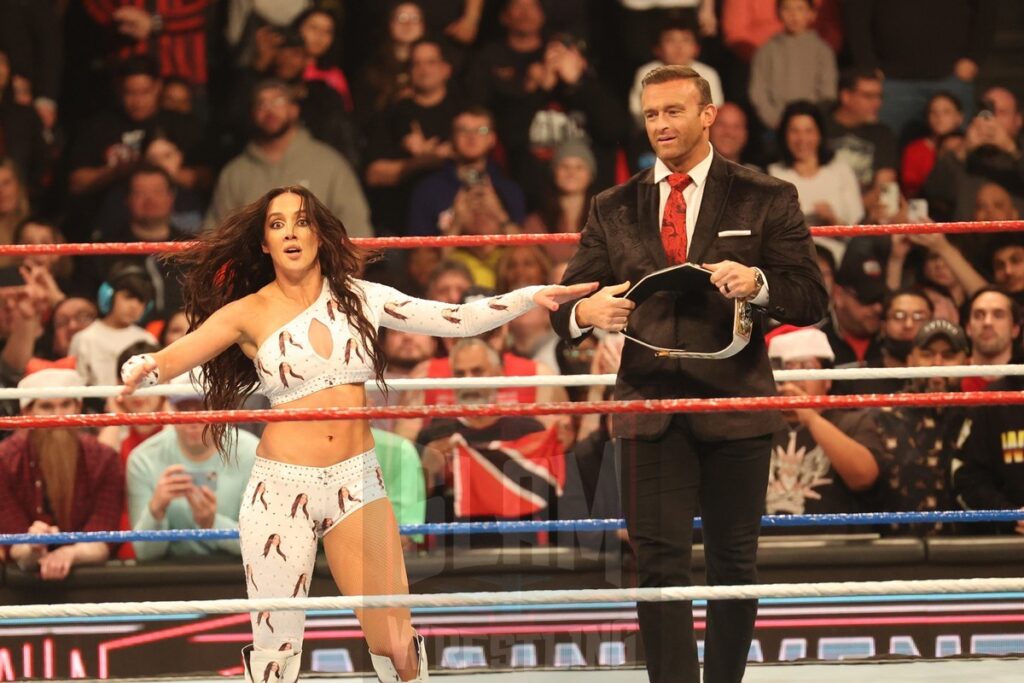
<point x="151" y="378"/>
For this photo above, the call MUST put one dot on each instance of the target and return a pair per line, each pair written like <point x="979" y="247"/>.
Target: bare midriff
<point x="319" y="443"/>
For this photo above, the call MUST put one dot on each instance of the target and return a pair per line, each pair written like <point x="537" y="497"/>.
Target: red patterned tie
<point x="673" y="222"/>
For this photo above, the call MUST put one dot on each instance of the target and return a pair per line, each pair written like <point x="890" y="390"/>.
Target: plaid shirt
<point x="99" y="487"/>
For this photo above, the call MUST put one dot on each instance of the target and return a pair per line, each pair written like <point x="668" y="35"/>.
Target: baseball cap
<point x="951" y="332"/>
<point x="863" y="275"/>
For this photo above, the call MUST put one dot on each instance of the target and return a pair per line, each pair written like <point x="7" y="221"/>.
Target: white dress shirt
<point x="692" y="196"/>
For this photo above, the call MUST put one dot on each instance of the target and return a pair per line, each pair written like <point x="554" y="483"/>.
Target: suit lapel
<point x="647" y="219"/>
<point x="716" y="192"/>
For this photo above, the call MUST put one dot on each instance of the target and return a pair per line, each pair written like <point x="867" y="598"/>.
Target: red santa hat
<point x="44" y="374"/>
<point x="789" y="342"/>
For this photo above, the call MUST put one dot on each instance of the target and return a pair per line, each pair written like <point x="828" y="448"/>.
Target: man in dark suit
<point x="747" y="228"/>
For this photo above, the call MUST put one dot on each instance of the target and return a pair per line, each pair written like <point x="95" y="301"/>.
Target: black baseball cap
<point x="951" y="332"/>
<point x="863" y="275"/>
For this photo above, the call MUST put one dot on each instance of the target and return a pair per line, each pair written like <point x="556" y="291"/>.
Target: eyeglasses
<point x="409" y="18"/>
<point x="903" y="316"/>
<point x="82" y="319"/>
<point x="479" y="130"/>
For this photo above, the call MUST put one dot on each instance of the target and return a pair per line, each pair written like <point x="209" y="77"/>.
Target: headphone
<point x="105" y="295"/>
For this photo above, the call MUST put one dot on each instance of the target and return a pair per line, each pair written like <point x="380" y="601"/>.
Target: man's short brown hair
<point x="665" y="74"/>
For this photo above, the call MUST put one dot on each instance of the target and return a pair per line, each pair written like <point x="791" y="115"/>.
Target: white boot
<point x="268" y="666"/>
<point x="387" y="673"/>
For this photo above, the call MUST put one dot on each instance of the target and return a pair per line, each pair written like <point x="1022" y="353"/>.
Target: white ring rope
<point x="775" y="590"/>
<point x="834" y="374"/>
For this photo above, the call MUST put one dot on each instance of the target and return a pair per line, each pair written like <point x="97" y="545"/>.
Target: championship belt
<point x="690" y="278"/>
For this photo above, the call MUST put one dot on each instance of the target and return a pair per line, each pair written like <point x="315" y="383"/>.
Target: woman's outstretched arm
<point x="422" y="316"/>
<point x="220" y="331"/>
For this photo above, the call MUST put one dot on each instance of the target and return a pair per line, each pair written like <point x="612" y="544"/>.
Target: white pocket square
<point x="734" y="233"/>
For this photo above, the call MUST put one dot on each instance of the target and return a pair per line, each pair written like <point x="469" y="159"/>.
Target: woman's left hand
<point x="552" y="296"/>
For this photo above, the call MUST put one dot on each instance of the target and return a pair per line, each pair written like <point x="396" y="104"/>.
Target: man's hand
<point x="203" y="502"/>
<point x="463" y="29"/>
<point x="56" y="565"/>
<point x="823" y="210"/>
<point x="173" y="483"/>
<point x="133" y="22"/>
<point x="40" y="527"/>
<point x="385" y="172"/>
<point x="900" y="246"/>
<point x="41" y="286"/>
<point x="416" y="143"/>
<point x="987" y="131"/>
<point x="706" y="18"/>
<point x="734" y="280"/>
<point x="267" y="41"/>
<point x="605" y="310"/>
<point x="571" y="66"/>
<point x="936" y="243"/>
<point x="436" y="458"/>
<point x="608" y="355"/>
<point x="804" y="415"/>
<point x="47" y="112"/>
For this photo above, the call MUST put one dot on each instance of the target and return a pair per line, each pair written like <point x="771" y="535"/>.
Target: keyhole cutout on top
<point x="320" y="339"/>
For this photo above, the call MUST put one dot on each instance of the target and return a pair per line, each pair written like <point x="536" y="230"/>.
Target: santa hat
<point x="791" y="343"/>
<point x="43" y="374"/>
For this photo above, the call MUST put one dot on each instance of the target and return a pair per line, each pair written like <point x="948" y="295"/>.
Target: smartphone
<point x="917" y="209"/>
<point x="890" y="198"/>
<point x="986" y="109"/>
<point x="207" y="478"/>
<point x="472" y="177"/>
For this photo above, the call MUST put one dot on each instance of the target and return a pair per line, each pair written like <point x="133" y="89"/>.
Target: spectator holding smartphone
<point x="178" y="480"/>
<point x="990" y="153"/>
<point x="469" y="185"/>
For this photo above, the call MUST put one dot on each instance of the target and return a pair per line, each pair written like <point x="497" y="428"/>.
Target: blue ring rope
<point x="577" y="525"/>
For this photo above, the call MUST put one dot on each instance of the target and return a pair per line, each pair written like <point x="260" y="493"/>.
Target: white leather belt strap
<point x="680" y="279"/>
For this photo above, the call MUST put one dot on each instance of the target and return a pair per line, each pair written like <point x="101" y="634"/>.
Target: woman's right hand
<point x="136" y="372"/>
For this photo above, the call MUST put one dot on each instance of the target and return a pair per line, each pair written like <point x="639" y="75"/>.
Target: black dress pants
<point x="663" y="482"/>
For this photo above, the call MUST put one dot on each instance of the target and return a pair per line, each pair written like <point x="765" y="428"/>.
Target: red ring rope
<point x="682" y="405"/>
<point x="95" y="249"/>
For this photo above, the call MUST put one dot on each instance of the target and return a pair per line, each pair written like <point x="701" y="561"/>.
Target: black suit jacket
<point x="622" y="241"/>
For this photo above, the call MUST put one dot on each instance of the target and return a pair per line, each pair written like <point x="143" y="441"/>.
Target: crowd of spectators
<point x="141" y="122"/>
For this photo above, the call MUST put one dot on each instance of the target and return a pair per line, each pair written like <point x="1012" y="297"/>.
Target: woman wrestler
<point x="276" y="307"/>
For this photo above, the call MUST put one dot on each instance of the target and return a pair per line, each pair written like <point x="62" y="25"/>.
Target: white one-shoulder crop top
<point x="289" y="368"/>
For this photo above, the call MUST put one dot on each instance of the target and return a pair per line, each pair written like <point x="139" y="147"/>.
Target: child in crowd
<point x="677" y="45"/>
<point x="796" y="64"/>
<point x="123" y="301"/>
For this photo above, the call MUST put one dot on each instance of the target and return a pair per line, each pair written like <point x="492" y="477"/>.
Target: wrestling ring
<point x="604" y="619"/>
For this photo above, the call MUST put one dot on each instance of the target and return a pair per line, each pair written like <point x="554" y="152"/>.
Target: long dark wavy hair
<point x="227" y="263"/>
